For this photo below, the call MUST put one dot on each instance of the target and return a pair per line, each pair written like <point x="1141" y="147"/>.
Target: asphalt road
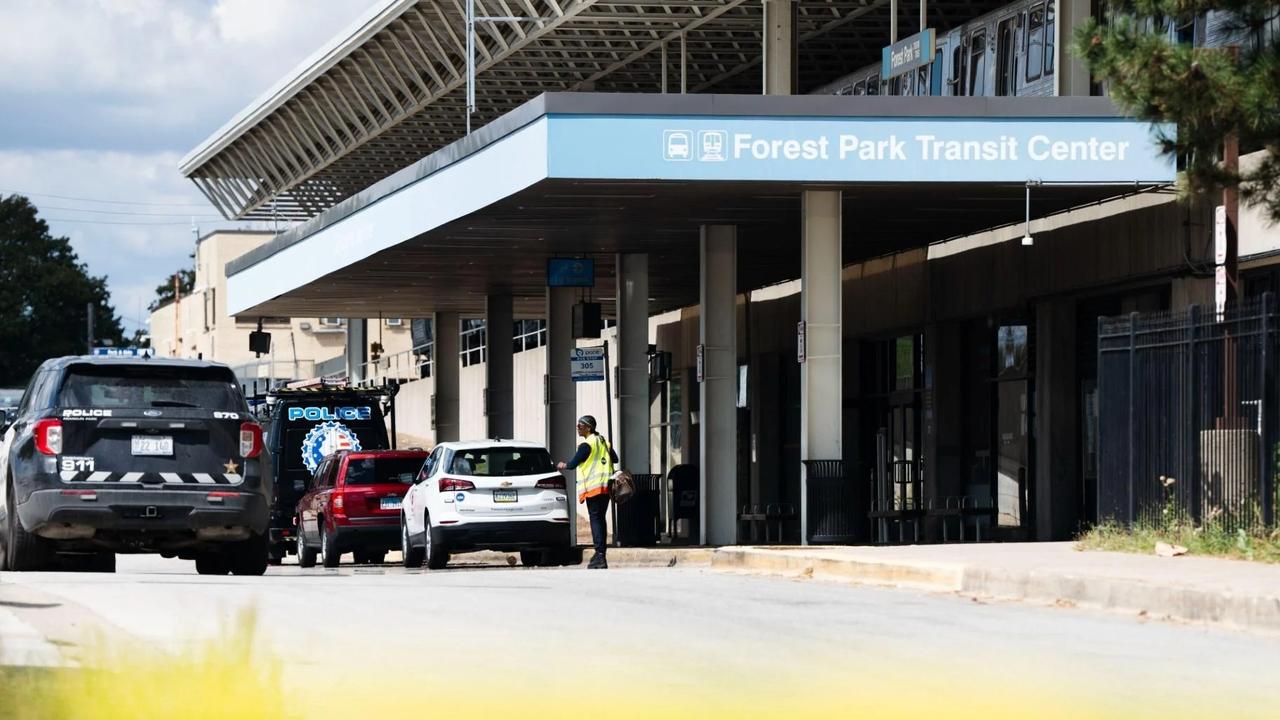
<point x="667" y="630"/>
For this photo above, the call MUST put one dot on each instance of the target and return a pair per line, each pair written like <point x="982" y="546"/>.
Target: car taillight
<point x="250" y="439"/>
<point x="451" y="484"/>
<point x="49" y="436"/>
<point x="338" y="501"/>
<point x="551" y="483"/>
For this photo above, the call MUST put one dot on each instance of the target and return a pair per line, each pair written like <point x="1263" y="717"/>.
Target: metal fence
<point x="1187" y="417"/>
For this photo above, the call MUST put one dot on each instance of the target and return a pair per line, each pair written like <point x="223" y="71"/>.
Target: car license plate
<point x="391" y="503"/>
<point x="152" y="445"/>
<point x="505" y="496"/>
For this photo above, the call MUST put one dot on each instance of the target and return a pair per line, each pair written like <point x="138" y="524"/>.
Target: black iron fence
<point x="1187" y="417"/>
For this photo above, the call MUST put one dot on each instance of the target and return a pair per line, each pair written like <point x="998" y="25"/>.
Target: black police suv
<point x="134" y="455"/>
<point x="306" y="424"/>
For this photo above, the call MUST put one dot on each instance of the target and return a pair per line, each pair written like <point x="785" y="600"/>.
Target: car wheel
<point x="533" y="558"/>
<point x="436" y="555"/>
<point x="329" y="555"/>
<point x="249" y="557"/>
<point x="306" y="555"/>
<point x="212" y="563"/>
<point x="23" y="551"/>
<point x="410" y="556"/>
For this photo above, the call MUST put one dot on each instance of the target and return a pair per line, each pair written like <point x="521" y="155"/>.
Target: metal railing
<point x="1187" y="417"/>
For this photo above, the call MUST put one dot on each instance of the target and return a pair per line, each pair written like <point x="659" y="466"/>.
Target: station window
<point x="978" y="63"/>
<point x="956" y="81"/>
<point x="471" y="342"/>
<point x="1035" y="42"/>
<point x="1006" y="58"/>
<point x="529" y="334"/>
<point x="1049" y="31"/>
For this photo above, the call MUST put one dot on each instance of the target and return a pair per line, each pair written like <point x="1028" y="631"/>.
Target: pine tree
<point x="1208" y="92"/>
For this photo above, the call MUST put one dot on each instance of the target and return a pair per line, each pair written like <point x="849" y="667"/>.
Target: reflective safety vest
<point x="595" y="471"/>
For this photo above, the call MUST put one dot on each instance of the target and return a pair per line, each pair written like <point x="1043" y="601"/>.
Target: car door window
<point x="429" y="467"/>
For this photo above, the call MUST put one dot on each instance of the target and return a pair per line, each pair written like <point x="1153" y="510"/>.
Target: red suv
<point x="353" y="505"/>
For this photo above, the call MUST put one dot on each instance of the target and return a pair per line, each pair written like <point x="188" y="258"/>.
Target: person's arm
<point x="584" y="452"/>
<point x="613" y="455"/>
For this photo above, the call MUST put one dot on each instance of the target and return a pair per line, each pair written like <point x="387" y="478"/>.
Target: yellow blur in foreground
<point x="234" y="677"/>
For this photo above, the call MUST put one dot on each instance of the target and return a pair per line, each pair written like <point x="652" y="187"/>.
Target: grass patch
<point x="225" y="678"/>
<point x="1211" y="541"/>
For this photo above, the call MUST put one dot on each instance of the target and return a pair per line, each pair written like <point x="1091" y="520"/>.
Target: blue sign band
<point x="1095" y="150"/>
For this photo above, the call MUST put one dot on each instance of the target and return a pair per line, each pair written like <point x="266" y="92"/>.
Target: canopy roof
<point x="390" y="89"/>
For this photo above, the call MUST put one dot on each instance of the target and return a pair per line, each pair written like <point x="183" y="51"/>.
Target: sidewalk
<point x="1222" y="592"/>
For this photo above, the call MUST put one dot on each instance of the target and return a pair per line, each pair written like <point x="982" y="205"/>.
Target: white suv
<point x="486" y="495"/>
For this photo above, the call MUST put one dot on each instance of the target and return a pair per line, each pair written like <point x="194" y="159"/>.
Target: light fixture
<point x="1027" y="240"/>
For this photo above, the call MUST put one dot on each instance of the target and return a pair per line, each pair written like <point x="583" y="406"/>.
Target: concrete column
<point x="1055" y="495"/>
<point x="1072" y="79"/>
<point x="561" y="396"/>
<point x="633" y="361"/>
<point x="444" y="373"/>
<point x="821" y="378"/>
<point x="499" y="378"/>
<point x="357" y="351"/>
<point x="779" y="65"/>
<point x="718" y="421"/>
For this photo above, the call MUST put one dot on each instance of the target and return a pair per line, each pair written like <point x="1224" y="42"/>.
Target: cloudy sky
<point x="99" y="99"/>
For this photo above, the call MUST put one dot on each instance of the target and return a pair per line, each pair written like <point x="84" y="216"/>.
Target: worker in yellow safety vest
<point x="594" y="462"/>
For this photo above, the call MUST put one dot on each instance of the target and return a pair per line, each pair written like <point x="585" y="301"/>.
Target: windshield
<point x="501" y="462"/>
<point x="380" y="471"/>
<point x="129" y="386"/>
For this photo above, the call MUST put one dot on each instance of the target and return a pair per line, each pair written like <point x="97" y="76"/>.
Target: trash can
<point x="685" y="503"/>
<point x="831" y="503"/>
<point x="638" y="517"/>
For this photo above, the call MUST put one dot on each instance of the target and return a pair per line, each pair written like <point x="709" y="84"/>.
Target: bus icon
<point x="711" y="145"/>
<point x="676" y="145"/>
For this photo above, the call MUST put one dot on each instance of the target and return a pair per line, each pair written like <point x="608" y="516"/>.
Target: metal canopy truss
<point x="396" y="91"/>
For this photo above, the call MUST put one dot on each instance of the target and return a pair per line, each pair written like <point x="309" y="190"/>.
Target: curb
<point x="618" y="557"/>
<point x="1190" y="604"/>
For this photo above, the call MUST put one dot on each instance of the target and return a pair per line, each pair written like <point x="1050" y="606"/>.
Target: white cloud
<point x="102" y="98"/>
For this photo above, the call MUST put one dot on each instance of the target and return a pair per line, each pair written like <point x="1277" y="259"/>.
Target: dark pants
<point x="597" y="509"/>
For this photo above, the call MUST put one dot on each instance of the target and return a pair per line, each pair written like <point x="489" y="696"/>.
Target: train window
<point x="1035" y="42"/>
<point x="956" y="81"/>
<point x="1005" y="57"/>
<point x="860" y="88"/>
<point x="873" y="84"/>
<point x="978" y="63"/>
<point x="1048" y="38"/>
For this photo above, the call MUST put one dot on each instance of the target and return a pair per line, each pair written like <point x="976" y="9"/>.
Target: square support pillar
<point x="357" y="351"/>
<point x="499" y="322"/>
<point x="821" y="394"/>
<point x="444" y="372"/>
<point x="561" y="395"/>
<point x="718" y="421"/>
<point x="633" y="362"/>
<point x="779" y="63"/>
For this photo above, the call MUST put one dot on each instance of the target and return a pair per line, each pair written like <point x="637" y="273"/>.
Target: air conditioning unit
<point x="395" y="322"/>
<point x="331" y="322"/>
<point x="304" y="326"/>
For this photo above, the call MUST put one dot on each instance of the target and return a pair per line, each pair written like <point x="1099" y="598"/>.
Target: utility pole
<point x="88" y="315"/>
<point x="177" y="310"/>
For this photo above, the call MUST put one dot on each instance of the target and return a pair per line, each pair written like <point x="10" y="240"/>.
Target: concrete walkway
<point x="1222" y="592"/>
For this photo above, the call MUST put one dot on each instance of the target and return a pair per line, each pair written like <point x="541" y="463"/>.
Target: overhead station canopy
<point x="598" y="174"/>
<point x="391" y="89"/>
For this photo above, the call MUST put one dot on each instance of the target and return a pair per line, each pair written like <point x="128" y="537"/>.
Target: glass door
<point x="1013" y="427"/>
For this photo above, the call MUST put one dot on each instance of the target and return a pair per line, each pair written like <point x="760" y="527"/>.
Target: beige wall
<point x="206" y="330"/>
<point x="1257" y="234"/>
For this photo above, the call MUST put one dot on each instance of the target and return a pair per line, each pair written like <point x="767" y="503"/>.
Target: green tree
<point x="1209" y="92"/>
<point x="44" y="290"/>
<point x="164" y="291"/>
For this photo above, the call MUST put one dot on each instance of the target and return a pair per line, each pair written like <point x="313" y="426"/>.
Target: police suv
<point x="308" y="421"/>
<point x="134" y="455"/>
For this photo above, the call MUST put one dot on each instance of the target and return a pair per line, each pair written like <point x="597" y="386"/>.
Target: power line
<point x="130" y="212"/>
<point x="107" y="202"/>
<point x="110" y="222"/>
